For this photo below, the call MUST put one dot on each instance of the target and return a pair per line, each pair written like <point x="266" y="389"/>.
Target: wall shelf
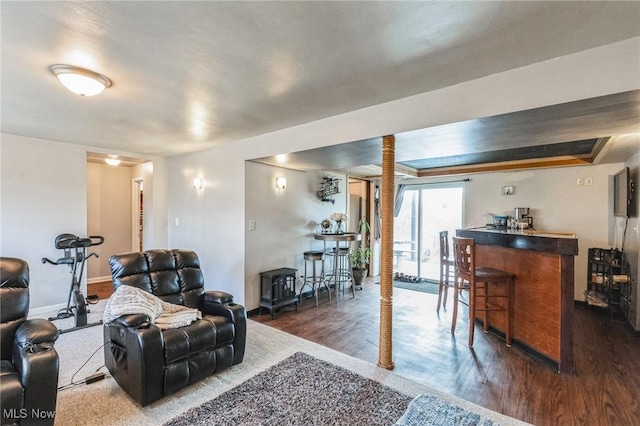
<point x="328" y="188"/>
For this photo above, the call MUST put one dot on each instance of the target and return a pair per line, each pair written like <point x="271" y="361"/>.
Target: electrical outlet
<point x="252" y="225"/>
<point x="588" y="181"/>
<point x="579" y="181"/>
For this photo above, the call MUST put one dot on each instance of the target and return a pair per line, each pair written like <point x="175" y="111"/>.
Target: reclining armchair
<point x="148" y="362"/>
<point x="28" y="361"/>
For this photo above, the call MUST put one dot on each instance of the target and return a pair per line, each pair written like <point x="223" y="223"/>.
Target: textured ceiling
<point x="189" y="75"/>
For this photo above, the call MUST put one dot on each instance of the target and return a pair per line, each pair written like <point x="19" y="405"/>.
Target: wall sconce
<point x="198" y="183"/>
<point x="508" y="190"/>
<point x="281" y="182"/>
<point x="327" y="188"/>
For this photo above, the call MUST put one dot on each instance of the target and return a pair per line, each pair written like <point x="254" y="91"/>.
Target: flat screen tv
<point x="621" y="195"/>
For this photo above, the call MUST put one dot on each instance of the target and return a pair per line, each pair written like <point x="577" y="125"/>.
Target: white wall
<point x="43" y="193"/>
<point x="108" y="215"/>
<point x="155" y="220"/>
<point x="286" y="220"/>
<point x="210" y="221"/>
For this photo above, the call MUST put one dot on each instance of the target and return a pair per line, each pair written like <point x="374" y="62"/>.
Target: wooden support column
<point x="385" y="357"/>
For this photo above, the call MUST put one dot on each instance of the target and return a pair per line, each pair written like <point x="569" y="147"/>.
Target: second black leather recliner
<point x="29" y="363"/>
<point x="149" y="363"/>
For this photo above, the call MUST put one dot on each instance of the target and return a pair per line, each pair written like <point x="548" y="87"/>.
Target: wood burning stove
<point x="278" y="289"/>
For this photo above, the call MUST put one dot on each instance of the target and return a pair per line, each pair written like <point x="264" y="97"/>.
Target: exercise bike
<point x="75" y="256"/>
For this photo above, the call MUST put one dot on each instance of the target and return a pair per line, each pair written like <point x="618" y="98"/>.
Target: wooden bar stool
<point x="447" y="269"/>
<point x="477" y="281"/>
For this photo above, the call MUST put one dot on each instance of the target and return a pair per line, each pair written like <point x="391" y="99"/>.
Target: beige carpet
<point x="104" y="403"/>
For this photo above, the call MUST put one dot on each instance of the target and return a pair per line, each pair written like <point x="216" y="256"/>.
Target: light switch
<point x="252" y="225"/>
<point x="177" y="221"/>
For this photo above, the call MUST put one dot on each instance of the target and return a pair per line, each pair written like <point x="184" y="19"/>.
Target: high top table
<point x="341" y="273"/>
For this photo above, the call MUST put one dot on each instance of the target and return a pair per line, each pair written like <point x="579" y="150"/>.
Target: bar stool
<point x="469" y="277"/>
<point x="447" y="270"/>
<point x="341" y="273"/>
<point x="314" y="281"/>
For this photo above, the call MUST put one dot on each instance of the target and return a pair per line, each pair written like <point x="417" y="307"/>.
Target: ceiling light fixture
<point x="112" y="160"/>
<point x="80" y="81"/>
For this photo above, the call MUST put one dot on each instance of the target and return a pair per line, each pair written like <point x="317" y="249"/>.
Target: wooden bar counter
<point x="543" y="309"/>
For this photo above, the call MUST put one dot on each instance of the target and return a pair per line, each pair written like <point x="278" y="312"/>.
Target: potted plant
<point x="360" y="256"/>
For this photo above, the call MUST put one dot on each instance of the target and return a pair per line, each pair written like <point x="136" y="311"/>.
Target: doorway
<point x="425" y="211"/>
<point x="137" y="214"/>
<point x="115" y="211"/>
<point x="359" y="208"/>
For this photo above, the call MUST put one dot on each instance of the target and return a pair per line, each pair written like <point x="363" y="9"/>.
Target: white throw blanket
<point x="132" y="300"/>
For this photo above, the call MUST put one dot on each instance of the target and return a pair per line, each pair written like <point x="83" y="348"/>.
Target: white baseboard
<point x="52" y="310"/>
<point x="98" y="279"/>
<point x="49" y="311"/>
<point x="46" y="311"/>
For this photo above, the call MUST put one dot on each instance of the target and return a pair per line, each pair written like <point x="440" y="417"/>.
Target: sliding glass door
<point x="425" y="211"/>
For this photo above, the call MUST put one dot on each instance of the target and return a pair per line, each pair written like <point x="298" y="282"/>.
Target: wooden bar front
<point x="543" y="291"/>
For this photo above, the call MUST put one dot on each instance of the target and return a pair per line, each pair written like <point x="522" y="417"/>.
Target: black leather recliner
<point x="149" y="363"/>
<point x="29" y="363"/>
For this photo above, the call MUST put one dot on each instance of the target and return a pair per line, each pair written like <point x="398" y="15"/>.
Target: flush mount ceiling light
<point x="112" y="160"/>
<point x="80" y="81"/>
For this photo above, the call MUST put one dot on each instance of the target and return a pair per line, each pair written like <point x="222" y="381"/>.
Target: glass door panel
<point x="425" y="211"/>
<point x="441" y="210"/>
<point x="405" y="235"/>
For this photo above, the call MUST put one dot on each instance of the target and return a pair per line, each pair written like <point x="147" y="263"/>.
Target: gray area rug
<point x="301" y="390"/>
<point x="431" y="410"/>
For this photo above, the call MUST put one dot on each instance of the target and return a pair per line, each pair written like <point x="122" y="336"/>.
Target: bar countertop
<point x="547" y="242"/>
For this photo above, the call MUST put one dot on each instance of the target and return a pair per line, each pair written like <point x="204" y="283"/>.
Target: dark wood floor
<point x="102" y="289"/>
<point x="604" y="391"/>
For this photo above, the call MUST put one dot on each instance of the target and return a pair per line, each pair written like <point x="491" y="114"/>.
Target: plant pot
<point x="358" y="277"/>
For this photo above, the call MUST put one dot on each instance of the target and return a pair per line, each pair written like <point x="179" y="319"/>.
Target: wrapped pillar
<point x="385" y="357"/>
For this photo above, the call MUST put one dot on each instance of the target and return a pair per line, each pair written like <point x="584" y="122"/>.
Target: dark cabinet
<point x="608" y="282"/>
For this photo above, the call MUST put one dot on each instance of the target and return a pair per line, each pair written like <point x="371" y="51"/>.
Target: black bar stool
<point x="341" y="274"/>
<point x="314" y="281"/>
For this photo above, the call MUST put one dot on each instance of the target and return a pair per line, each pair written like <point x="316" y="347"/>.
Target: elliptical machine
<point x="75" y="256"/>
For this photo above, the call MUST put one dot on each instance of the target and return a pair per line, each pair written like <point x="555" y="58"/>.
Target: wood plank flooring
<point x="604" y="391"/>
<point x="102" y="289"/>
